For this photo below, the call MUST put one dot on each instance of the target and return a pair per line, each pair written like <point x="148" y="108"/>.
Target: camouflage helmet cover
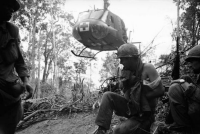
<point x="194" y="53"/>
<point x="127" y="50"/>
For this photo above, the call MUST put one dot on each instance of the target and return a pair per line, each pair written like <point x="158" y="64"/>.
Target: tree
<point x="165" y="65"/>
<point x="30" y="16"/>
<point x="189" y="20"/>
<point x="110" y="66"/>
<point x="80" y="68"/>
<point x="189" y="29"/>
<point x="49" y="33"/>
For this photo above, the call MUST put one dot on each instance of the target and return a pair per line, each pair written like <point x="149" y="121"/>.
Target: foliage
<point x="80" y="66"/>
<point x="46" y="29"/>
<point x="165" y="65"/>
<point x="47" y="90"/>
<point x="189" y="37"/>
<point x="110" y="66"/>
<point x="162" y="108"/>
<point x="65" y="70"/>
<point x="189" y="20"/>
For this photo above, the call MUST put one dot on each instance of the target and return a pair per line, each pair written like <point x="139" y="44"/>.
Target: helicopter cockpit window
<point x="110" y="20"/>
<point x="83" y="15"/>
<point x="96" y="14"/>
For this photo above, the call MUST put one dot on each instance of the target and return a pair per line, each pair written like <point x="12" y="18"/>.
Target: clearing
<point x="81" y="123"/>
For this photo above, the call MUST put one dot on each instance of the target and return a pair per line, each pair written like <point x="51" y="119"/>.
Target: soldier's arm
<point x="156" y="88"/>
<point x="20" y="65"/>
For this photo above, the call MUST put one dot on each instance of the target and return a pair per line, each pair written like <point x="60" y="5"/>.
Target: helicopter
<point x="100" y="30"/>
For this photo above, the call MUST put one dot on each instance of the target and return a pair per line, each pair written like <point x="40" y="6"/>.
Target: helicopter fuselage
<point x="100" y="30"/>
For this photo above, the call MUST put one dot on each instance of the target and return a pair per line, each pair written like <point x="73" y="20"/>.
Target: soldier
<point x="185" y="116"/>
<point x="140" y="79"/>
<point x="12" y="70"/>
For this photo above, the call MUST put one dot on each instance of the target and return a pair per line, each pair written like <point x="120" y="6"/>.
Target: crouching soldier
<point x="142" y="87"/>
<point x="185" y="99"/>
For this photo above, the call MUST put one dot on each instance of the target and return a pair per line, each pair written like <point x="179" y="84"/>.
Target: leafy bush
<point x="47" y="90"/>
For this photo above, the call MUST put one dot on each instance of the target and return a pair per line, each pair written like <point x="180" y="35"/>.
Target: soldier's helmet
<point x="194" y="53"/>
<point x="127" y="50"/>
<point x="15" y="4"/>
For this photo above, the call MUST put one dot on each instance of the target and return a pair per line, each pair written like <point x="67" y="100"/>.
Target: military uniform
<point x="12" y="66"/>
<point x="184" y="109"/>
<point x="134" y="105"/>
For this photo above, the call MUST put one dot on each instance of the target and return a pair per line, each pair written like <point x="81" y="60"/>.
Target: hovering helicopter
<point x="100" y="30"/>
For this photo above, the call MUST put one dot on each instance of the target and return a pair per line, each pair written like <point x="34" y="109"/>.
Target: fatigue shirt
<point x="11" y="59"/>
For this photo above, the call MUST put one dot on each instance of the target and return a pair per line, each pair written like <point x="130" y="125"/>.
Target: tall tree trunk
<point x="45" y="60"/>
<point x="55" y="75"/>
<point x="39" y="58"/>
<point x="46" y="55"/>
<point x="48" y="69"/>
<point x="33" y="53"/>
<point x="45" y="70"/>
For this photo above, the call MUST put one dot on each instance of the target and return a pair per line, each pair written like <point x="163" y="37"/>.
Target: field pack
<point x="191" y="93"/>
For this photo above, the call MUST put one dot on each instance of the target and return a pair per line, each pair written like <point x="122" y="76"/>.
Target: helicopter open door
<point x="99" y="30"/>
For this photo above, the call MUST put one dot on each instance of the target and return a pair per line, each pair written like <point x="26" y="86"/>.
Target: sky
<point x="144" y="19"/>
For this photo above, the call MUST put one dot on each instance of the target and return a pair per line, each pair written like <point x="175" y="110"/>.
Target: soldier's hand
<point x="29" y="94"/>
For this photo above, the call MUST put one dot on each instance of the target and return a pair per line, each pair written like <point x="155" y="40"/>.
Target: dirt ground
<point x="82" y="123"/>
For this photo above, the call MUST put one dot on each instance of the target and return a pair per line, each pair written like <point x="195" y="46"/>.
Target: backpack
<point x="192" y="96"/>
